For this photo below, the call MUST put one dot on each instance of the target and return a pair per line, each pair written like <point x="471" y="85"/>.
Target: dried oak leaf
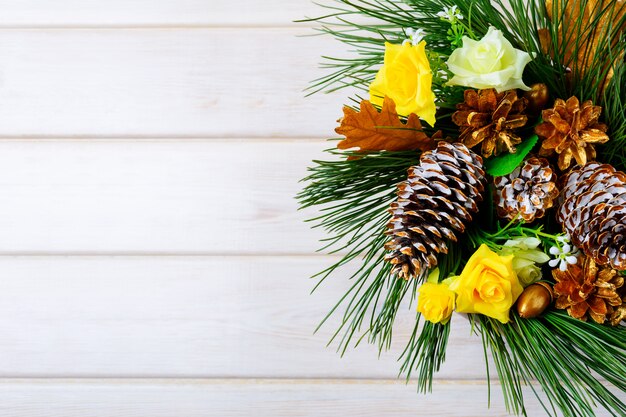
<point x="370" y="130"/>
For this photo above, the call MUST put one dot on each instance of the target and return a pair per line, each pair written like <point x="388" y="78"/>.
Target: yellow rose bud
<point x="406" y="78"/>
<point x="488" y="285"/>
<point x="436" y="302"/>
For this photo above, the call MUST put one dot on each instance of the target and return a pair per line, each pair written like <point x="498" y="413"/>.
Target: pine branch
<point x="614" y="152"/>
<point x="563" y="355"/>
<point x="354" y="194"/>
<point x="425" y="352"/>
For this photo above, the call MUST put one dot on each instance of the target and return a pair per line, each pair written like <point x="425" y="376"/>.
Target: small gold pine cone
<point x="526" y="192"/>
<point x="490" y="118"/>
<point x="570" y="131"/>
<point x="587" y="290"/>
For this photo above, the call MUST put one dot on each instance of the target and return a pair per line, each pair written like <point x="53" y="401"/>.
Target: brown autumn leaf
<point x="370" y="130"/>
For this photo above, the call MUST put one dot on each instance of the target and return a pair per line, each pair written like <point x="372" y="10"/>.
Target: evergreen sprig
<point x="564" y="356"/>
<point x="354" y="192"/>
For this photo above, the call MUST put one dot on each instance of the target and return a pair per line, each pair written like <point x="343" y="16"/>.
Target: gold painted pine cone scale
<point x="587" y="290"/>
<point x="489" y="119"/>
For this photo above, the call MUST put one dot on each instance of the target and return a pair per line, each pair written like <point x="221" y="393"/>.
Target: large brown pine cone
<point x="593" y="212"/>
<point x="570" y="130"/>
<point x="433" y="206"/>
<point x="526" y="192"/>
<point x="490" y="118"/>
<point x="586" y="290"/>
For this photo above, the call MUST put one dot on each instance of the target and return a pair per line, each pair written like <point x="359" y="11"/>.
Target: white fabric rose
<point x="491" y="62"/>
<point x="526" y="257"/>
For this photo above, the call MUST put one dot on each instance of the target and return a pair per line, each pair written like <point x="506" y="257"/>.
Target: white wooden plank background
<point x="149" y="160"/>
<point x="174" y="82"/>
<point x="259" y="398"/>
<point x="139" y="13"/>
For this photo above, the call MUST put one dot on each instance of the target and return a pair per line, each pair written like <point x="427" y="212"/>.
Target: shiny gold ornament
<point x="534" y="300"/>
<point x="537" y="98"/>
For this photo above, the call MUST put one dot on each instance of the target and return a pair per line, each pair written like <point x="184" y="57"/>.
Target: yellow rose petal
<point x="487" y="285"/>
<point x="406" y="78"/>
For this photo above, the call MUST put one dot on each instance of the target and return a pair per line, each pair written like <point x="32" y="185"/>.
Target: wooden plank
<point x="248" y="398"/>
<point x="189" y="317"/>
<point x="163" y="196"/>
<point x="155" y="13"/>
<point x="221" y="83"/>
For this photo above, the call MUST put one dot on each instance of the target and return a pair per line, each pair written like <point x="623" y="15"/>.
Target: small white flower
<point x="415" y="36"/>
<point x="564" y="238"/>
<point x="563" y="256"/>
<point x="451" y="14"/>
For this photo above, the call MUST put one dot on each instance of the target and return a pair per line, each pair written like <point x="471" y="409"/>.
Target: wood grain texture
<point x="164" y="196"/>
<point x="70" y="13"/>
<point x="189" y="316"/>
<point x="221" y="83"/>
<point x="248" y="398"/>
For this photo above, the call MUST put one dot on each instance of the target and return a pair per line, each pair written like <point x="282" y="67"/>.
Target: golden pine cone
<point x="433" y="205"/>
<point x="570" y="130"/>
<point x="593" y="212"/>
<point x="586" y="290"/>
<point x="527" y="192"/>
<point x="490" y="118"/>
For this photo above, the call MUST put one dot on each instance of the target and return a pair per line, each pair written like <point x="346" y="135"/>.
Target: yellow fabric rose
<point x="406" y="78"/>
<point x="436" y="302"/>
<point x="491" y="62"/>
<point x="488" y="285"/>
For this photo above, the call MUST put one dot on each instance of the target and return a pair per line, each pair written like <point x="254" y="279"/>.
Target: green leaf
<point x="505" y="164"/>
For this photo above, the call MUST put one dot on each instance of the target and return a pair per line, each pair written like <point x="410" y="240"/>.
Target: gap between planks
<point x="240" y="381"/>
<point x="181" y="255"/>
<point x="166" y="139"/>
<point x="162" y="26"/>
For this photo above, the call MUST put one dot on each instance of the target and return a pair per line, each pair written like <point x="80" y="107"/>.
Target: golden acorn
<point x="537" y="98"/>
<point x="534" y="300"/>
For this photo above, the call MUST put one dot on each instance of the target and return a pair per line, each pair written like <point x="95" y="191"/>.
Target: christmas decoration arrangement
<point x="480" y="170"/>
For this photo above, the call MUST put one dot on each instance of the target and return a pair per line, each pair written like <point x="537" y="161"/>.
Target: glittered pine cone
<point x="588" y="290"/>
<point x="490" y="118"/>
<point x="593" y="212"/>
<point x="570" y="131"/>
<point x="526" y="192"/>
<point x="434" y="204"/>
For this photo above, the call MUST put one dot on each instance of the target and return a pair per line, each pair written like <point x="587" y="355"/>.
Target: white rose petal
<point x="491" y="62"/>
